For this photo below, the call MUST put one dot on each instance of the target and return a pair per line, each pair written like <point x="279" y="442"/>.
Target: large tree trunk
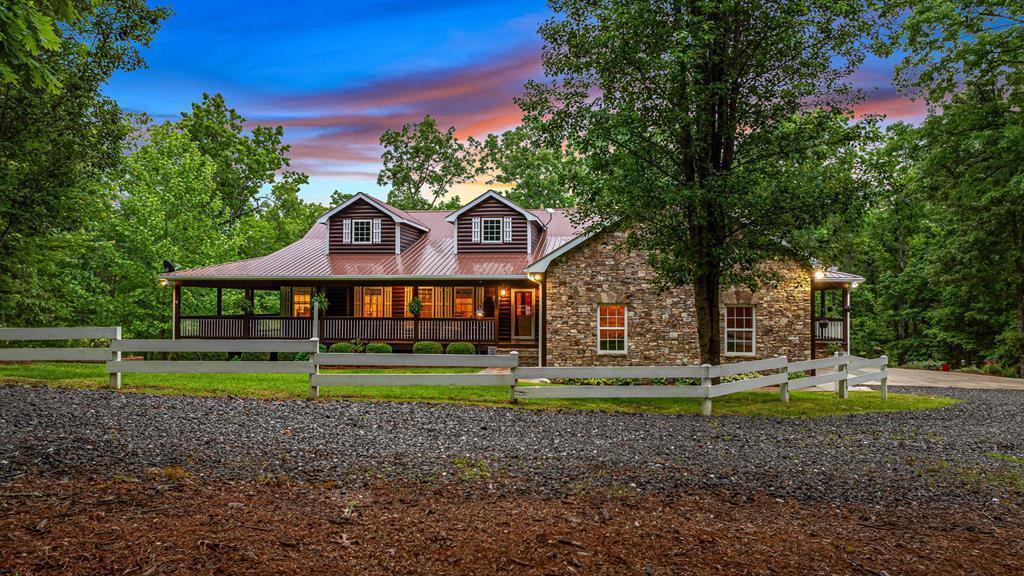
<point x="707" y="299"/>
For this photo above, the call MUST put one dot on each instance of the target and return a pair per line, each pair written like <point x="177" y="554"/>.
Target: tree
<point x="536" y="175"/>
<point x="59" y="152"/>
<point x="967" y="60"/>
<point x="245" y="162"/>
<point x="720" y="133"/>
<point x="168" y="208"/>
<point x="420" y="162"/>
<point x="31" y="35"/>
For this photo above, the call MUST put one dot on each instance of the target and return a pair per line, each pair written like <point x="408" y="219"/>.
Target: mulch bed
<point x="171" y="523"/>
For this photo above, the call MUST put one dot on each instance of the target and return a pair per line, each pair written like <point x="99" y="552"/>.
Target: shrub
<point x="460" y="348"/>
<point x="378" y="348"/>
<point x="255" y="356"/>
<point x="344" y="347"/>
<point x="1011" y="372"/>
<point x="992" y="369"/>
<point x="427" y="347"/>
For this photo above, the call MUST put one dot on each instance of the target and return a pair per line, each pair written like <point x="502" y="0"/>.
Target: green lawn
<point x="294" y="386"/>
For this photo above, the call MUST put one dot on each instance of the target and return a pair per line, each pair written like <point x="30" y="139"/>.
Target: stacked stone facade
<point x="662" y="326"/>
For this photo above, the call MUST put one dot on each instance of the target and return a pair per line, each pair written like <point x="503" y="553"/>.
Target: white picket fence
<point x="846" y="371"/>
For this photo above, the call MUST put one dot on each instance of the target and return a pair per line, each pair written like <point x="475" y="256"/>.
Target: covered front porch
<point x="483" y="313"/>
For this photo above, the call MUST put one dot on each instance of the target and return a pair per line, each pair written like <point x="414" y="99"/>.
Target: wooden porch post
<point x="247" y="312"/>
<point x="220" y="301"/>
<point x="416" y="318"/>
<point x="814" y="331"/>
<point x="176" y="311"/>
<point x="846" y="318"/>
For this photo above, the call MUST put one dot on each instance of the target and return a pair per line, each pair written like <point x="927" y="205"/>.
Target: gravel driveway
<point x="941" y="456"/>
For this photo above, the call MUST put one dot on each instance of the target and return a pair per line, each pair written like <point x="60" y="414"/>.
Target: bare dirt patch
<point x="169" y="523"/>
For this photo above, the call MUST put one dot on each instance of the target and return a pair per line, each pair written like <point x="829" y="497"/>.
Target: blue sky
<point x="337" y="74"/>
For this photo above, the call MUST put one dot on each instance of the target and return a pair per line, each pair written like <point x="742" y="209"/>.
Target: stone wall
<point x="662" y="327"/>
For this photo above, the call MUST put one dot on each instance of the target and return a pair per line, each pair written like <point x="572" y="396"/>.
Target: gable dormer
<point x="365" y="225"/>
<point x="493" y="223"/>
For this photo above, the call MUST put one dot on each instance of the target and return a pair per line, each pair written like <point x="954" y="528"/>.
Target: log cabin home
<point x="504" y="278"/>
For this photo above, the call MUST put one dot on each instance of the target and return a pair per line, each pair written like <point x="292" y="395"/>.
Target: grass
<point x="296" y="386"/>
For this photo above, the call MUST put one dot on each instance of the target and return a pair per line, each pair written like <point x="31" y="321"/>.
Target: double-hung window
<point x="611" y="329"/>
<point x="492" y="229"/>
<point x="463" y="302"/>
<point x="361" y="232"/>
<point x="740" y="338"/>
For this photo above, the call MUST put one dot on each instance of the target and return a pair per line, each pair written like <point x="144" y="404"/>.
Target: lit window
<point x="426" y="296"/>
<point x="302" y="302"/>
<point x="739" y="330"/>
<point x="463" y="302"/>
<point x="611" y="329"/>
<point x="373" y="302"/>
<point x="492" y="229"/>
<point x="361" y="232"/>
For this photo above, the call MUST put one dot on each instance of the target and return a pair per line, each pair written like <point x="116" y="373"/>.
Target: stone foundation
<point x="662" y="327"/>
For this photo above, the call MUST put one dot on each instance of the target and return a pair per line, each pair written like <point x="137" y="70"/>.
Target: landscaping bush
<point x="255" y="356"/>
<point x="924" y="365"/>
<point x="1011" y="372"/>
<point x="378" y="348"/>
<point x="992" y="369"/>
<point x="460" y="348"/>
<point x="427" y="347"/>
<point x="344" y="347"/>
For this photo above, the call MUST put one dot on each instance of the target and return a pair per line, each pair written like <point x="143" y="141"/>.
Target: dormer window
<point x="361" y="231"/>
<point x="492" y="229"/>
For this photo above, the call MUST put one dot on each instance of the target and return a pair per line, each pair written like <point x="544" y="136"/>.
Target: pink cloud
<point x="336" y="132"/>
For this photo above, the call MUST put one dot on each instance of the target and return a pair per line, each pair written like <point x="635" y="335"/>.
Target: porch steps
<point x="527" y="356"/>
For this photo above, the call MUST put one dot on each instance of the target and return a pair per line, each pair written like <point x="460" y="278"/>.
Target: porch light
<point x="504" y="292"/>
<point x="164" y="282"/>
<point x="819" y="274"/>
<point x="535" y="277"/>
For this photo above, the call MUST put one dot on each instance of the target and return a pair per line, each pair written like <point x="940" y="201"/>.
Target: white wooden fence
<point x="714" y="380"/>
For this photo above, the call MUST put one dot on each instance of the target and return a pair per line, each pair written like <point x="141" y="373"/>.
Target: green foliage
<point x="345" y="347"/>
<point x="378" y="348"/>
<point x="415" y="306"/>
<point x="427" y="347"/>
<point x="536" y="175"/>
<point x="420" y="161"/>
<point x="460" y="348"/>
<point x="711" y="134"/>
<point x="30" y="31"/>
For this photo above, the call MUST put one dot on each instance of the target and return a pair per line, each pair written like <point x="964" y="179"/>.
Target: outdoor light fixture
<point x="164" y="282"/>
<point x="819" y="274"/>
<point x="504" y="292"/>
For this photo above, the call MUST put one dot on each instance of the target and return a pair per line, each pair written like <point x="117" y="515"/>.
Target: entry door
<point x="523" y="311"/>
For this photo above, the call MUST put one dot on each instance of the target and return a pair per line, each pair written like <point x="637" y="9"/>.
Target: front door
<point x="523" y="310"/>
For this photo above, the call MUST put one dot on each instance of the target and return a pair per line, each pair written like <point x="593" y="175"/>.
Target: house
<point x="504" y="278"/>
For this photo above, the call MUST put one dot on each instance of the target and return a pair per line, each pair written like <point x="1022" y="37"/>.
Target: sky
<point x="338" y="74"/>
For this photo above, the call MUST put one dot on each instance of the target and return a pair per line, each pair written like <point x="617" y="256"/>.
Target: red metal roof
<point x="432" y="256"/>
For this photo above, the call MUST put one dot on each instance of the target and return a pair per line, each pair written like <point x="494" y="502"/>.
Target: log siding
<point x="362" y="210"/>
<point x="490" y="208"/>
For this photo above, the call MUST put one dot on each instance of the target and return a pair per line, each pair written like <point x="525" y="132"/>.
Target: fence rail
<point x="748" y="375"/>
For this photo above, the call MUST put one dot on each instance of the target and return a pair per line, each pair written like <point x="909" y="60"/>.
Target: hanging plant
<point x="415" y="307"/>
<point x="321" y="299"/>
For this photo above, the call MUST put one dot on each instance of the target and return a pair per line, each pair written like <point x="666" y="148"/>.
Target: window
<point x="492" y="229"/>
<point x="464" y="302"/>
<point x="426" y="302"/>
<point x="611" y="329"/>
<point x="361" y="232"/>
<point x="373" y="302"/>
<point x="302" y="302"/>
<point x="739" y="330"/>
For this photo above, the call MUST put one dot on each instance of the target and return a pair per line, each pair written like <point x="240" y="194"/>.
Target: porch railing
<point x="831" y="330"/>
<point x="339" y="329"/>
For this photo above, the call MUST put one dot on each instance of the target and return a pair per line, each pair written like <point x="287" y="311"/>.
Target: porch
<point x="485" y="314"/>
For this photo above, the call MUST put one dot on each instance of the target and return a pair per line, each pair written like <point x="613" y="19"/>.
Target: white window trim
<point x="625" y="331"/>
<point x="752" y="330"/>
<point x="369" y="230"/>
<point x="483" y="231"/>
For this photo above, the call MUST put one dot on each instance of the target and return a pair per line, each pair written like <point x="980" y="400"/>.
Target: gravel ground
<point x="939" y="456"/>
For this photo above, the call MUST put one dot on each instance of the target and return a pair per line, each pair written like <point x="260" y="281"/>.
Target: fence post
<point x="885" y="378"/>
<point x="705" y="382"/>
<point x="514" y="369"/>
<point x="784" y="387"/>
<point x="314" y="390"/>
<point x="114" y="378"/>
<point x="841" y="385"/>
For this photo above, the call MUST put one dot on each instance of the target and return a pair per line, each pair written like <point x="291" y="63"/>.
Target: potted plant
<point x="320" y="299"/>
